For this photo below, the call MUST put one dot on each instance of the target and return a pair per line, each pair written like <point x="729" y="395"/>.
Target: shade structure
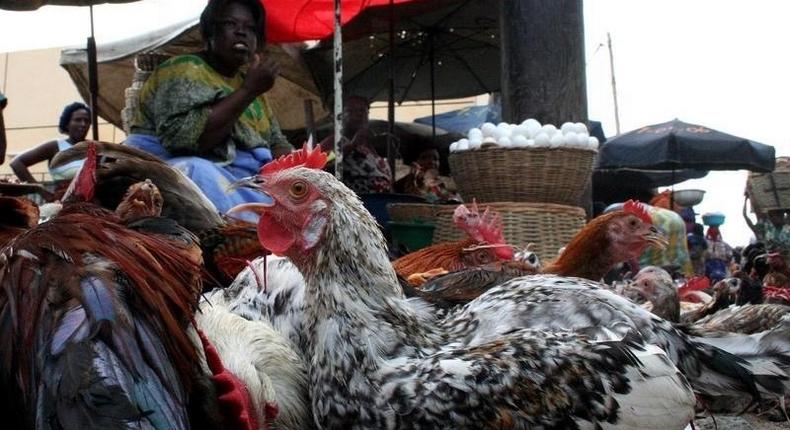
<point x="679" y="145"/>
<point x="300" y="20"/>
<point x="443" y="49"/>
<point x="22" y="5"/>
<point x="116" y="71"/>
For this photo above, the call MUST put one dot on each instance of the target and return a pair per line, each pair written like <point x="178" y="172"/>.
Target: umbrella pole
<point x="93" y="81"/>
<point x="391" y="100"/>
<point x="672" y="191"/>
<point x="433" y="88"/>
<point x="338" y="62"/>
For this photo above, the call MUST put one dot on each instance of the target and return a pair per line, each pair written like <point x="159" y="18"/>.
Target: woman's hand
<point x="261" y="75"/>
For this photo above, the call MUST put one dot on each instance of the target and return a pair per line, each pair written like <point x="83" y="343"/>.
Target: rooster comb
<point x="485" y="228"/>
<point x="639" y="209"/>
<point x="312" y="158"/>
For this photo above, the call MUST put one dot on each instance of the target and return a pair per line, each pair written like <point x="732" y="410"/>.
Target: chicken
<point x="604" y="242"/>
<point x="655" y="285"/>
<point x="485" y="244"/>
<point x="378" y="360"/>
<point x="94" y="320"/>
<point x="17" y="215"/>
<point x="746" y="319"/>
<point x="609" y="239"/>
<point x="227" y="244"/>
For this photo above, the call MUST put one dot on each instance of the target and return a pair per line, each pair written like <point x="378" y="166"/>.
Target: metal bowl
<point x="688" y="197"/>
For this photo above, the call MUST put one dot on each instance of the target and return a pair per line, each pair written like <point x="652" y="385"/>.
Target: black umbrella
<point x="676" y="145"/>
<point x="443" y="49"/>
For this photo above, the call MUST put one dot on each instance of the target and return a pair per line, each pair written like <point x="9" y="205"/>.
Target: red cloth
<point x="232" y="396"/>
<point x="300" y="20"/>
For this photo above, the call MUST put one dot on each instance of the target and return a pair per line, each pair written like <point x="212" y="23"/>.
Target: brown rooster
<point x="17" y="215"/>
<point x="605" y="241"/>
<point x="93" y="319"/>
<point x="486" y="244"/>
<point x="227" y="244"/>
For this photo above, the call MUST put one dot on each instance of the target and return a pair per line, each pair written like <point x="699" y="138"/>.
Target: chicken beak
<point x="657" y="239"/>
<point x="253" y="182"/>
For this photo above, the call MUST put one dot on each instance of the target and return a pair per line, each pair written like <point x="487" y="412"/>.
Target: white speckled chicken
<point x="378" y="361"/>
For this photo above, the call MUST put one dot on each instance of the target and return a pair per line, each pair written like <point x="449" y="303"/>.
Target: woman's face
<point x="79" y="124"/>
<point x="235" y="40"/>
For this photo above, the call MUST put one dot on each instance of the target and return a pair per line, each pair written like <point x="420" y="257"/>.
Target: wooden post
<point x="543" y="66"/>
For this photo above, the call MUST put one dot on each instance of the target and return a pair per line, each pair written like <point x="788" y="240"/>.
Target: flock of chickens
<point x="138" y="306"/>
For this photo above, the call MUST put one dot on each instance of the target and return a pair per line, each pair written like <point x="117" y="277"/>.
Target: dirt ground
<point x="742" y="422"/>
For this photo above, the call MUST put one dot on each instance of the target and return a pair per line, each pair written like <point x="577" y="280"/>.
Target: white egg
<point x="531" y="122"/>
<point x="556" y="141"/>
<point x="567" y="127"/>
<point x="519" y="130"/>
<point x="489" y="140"/>
<point x="580" y="127"/>
<point x="488" y="129"/>
<point x="592" y="143"/>
<point x="542" y="139"/>
<point x="503" y="125"/>
<point x="475" y="133"/>
<point x="454" y="146"/>
<point x="581" y="139"/>
<point x="463" y="146"/>
<point x="464" y="141"/>
<point x="501" y="132"/>
<point x="549" y="129"/>
<point x="530" y="143"/>
<point x="570" y="139"/>
<point x="505" y="142"/>
<point x="520" y="141"/>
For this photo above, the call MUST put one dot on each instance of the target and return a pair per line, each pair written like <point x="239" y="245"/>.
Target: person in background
<point x="423" y="180"/>
<point x="697" y="245"/>
<point x="3" y="143"/>
<point x="772" y="230"/>
<point x="206" y="113"/>
<point x="364" y="171"/>
<point x="717" y="255"/>
<point x="75" y="121"/>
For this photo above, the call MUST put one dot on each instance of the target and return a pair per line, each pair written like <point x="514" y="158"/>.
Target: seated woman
<point x="423" y="180"/>
<point x="206" y="116"/>
<point x="75" y="121"/>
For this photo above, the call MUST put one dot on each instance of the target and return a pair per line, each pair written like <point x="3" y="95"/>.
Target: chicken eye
<point x="298" y="190"/>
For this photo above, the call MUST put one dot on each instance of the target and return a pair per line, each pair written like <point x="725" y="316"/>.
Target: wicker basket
<point x="548" y="226"/>
<point x="538" y="175"/>
<point x="769" y="191"/>
<point x="415" y="212"/>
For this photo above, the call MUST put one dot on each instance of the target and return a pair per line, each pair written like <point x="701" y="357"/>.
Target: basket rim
<point x="540" y="148"/>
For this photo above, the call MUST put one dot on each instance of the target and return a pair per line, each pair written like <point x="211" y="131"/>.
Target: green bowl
<point x="412" y="235"/>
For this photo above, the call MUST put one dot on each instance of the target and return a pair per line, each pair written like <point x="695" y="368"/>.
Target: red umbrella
<point x="300" y="20"/>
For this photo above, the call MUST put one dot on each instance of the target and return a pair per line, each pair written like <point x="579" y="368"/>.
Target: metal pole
<point x="433" y="87"/>
<point x="391" y="100"/>
<point x="614" y="85"/>
<point x="338" y="61"/>
<point x="93" y="81"/>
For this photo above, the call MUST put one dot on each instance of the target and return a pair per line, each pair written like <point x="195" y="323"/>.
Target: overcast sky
<point x="720" y="63"/>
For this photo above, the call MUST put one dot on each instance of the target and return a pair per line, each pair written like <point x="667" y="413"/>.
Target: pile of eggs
<point x="528" y="134"/>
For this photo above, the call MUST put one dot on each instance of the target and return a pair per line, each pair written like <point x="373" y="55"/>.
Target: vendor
<point x="206" y="116"/>
<point x="423" y="179"/>
<point x="364" y="171"/>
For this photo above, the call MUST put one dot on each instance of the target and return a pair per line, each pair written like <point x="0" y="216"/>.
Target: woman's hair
<point x="65" y="116"/>
<point x="208" y="19"/>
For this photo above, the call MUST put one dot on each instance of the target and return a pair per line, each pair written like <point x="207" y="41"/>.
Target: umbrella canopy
<point x="116" y="70"/>
<point x="443" y="49"/>
<point x="35" y="4"/>
<point x="679" y="145"/>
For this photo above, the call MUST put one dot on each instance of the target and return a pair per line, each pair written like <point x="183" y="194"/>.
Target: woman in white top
<point x="74" y="122"/>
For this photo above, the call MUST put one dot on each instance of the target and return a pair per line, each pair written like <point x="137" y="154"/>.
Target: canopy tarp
<point x="116" y="71"/>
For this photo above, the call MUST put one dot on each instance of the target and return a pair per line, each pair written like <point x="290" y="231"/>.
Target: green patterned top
<point x="175" y="103"/>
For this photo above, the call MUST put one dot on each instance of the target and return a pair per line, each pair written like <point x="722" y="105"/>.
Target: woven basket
<point x="548" y="226"/>
<point x="415" y="212"/>
<point x="769" y="191"/>
<point x="537" y="175"/>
